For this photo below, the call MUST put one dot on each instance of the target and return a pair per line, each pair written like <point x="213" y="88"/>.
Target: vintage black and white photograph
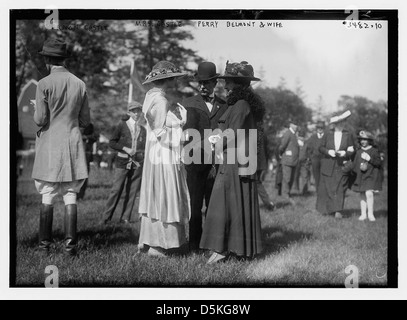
<point x="238" y="148"/>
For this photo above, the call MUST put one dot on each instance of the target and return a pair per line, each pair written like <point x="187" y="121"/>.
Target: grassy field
<point x="302" y="247"/>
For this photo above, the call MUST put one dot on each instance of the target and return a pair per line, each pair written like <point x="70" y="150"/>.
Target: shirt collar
<point x="131" y="121"/>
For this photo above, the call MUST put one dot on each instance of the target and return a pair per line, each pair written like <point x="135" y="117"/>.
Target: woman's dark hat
<point x="206" y="71"/>
<point x="54" y="48"/>
<point x="365" y="135"/>
<point x="163" y="70"/>
<point x="242" y="70"/>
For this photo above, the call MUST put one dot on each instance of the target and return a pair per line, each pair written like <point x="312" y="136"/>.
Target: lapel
<point x="200" y="104"/>
<point x="344" y="140"/>
<point x="216" y="107"/>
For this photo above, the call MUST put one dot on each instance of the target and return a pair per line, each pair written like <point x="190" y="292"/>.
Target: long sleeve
<point x="156" y="117"/>
<point x="284" y="142"/>
<point x="375" y="159"/>
<point x="236" y="121"/>
<point x="84" y="114"/>
<point x="322" y="148"/>
<point x="41" y="114"/>
<point x="114" y="140"/>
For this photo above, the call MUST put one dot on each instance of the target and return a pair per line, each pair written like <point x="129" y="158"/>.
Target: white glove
<point x="365" y="156"/>
<point x="350" y="149"/>
<point x="341" y="153"/>
<point x="183" y="112"/>
<point x="214" y="139"/>
<point x="129" y="151"/>
<point x="331" y="153"/>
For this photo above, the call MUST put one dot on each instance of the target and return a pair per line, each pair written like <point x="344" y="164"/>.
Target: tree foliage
<point x="102" y="58"/>
<point x="282" y="105"/>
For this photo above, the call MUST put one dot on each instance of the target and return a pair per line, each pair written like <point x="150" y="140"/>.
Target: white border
<point x="7" y="293"/>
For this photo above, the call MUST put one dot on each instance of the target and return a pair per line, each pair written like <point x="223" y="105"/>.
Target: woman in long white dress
<point x="164" y="199"/>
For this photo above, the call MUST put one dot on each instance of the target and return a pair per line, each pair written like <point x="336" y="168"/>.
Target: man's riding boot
<point x="45" y="232"/>
<point x="70" y="229"/>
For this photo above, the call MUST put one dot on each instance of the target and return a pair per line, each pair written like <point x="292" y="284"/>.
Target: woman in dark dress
<point x="337" y="147"/>
<point x="232" y="224"/>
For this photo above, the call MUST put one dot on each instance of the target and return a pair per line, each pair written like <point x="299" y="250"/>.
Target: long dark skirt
<point x="331" y="191"/>
<point x="233" y="223"/>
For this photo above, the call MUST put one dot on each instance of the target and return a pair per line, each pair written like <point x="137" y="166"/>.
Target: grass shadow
<point x="276" y="238"/>
<point x="349" y="213"/>
<point x="106" y="236"/>
<point x="282" y="204"/>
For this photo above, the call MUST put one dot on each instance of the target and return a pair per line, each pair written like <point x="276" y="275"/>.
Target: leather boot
<point x="70" y="219"/>
<point x="45" y="231"/>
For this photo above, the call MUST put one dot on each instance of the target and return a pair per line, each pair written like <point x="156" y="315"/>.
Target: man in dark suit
<point x="203" y="112"/>
<point x="289" y="152"/>
<point x="313" y="144"/>
<point x="128" y="140"/>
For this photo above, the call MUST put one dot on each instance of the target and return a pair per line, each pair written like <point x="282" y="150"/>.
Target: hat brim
<point x="198" y="78"/>
<point x="239" y="77"/>
<point x="165" y="76"/>
<point x="48" y="54"/>
<point x="339" y="120"/>
<point x="365" y="138"/>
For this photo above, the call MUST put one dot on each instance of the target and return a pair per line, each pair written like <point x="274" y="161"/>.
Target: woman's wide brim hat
<point x="54" y="48"/>
<point x="236" y="70"/>
<point x="366" y="135"/>
<point x="163" y="70"/>
<point x="340" y="118"/>
<point x="206" y="71"/>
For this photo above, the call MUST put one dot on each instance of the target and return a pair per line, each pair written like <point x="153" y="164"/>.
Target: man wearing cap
<point x="61" y="109"/>
<point x="128" y="139"/>
<point x="313" y="145"/>
<point x="337" y="147"/>
<point x="203" y="112"/>
<point x="289" y="152"/>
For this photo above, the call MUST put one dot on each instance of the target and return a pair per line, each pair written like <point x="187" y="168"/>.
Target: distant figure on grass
<point x="303" y="169"/>
<point x="60" y="160"/>
<point x="337" y="147"/>
<point x="262" y="168"/>
<point x="289" y="152"/>
<point x="367" y="166"/>
<point x="164" y="198"/>
<point x="313" y="144"/>
<point x="128" y="139"/>
<point x="89" y="139"/>
<point x="278" y="170"/>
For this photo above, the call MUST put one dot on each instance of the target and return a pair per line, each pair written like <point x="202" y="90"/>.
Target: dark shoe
<point x="270" y="206"/>
<point x="338" y="215"/>
<point x="45" y="231"/>
<point x="70" y="221"/>
<point x="105" y="222"/>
